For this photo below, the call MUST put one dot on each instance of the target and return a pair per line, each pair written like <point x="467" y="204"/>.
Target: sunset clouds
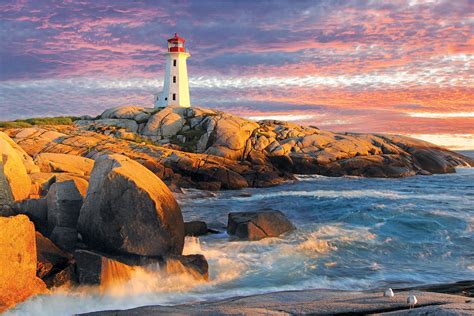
<point x="383" y="66"/>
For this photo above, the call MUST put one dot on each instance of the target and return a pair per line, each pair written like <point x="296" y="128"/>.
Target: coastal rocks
<point x="195" y="228"/>
<point x="18" y="279"/>
<point x="52" y="162"/>
<point x="14" y="181"/>
<point x="129" y="210"/>
<point x="258" y="225"/>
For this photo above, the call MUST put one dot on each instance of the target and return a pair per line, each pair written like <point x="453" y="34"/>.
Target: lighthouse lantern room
<point x="175" y="87"/>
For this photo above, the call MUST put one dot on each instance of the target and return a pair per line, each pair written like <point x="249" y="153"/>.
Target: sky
<point x="403" y="67"/>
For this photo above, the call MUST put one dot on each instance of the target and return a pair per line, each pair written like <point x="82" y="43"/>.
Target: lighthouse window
<point x="174" y="62"/>
<point x="174" y="79"/>
<point x="174" y="96"/>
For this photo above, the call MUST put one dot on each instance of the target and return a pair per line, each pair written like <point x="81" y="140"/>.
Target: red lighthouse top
<point x="176" y="44"/>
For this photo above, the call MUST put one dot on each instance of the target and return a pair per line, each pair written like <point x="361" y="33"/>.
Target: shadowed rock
<point x="195" y="228"/>
<point x="129" y="210"/>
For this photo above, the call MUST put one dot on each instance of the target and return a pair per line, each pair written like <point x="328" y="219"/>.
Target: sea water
<point x="352" y="233"/>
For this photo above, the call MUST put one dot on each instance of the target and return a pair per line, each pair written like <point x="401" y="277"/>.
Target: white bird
<point x="411" y="300"/>
<point x="388" y="293"/>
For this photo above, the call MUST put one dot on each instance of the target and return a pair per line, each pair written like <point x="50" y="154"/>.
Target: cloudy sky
<point x="366" y="66"/>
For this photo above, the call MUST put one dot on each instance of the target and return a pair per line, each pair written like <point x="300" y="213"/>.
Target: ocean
<point x="352" y="233"/>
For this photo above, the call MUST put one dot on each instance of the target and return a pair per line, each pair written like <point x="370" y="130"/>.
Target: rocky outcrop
<point x="52" y="162"/>
<point x="212" y="150"/>
<point x="18" y="279"/>
<point x="258" y="225"/>
<point x="129" y="210"/>
<point x="14" y="181"/>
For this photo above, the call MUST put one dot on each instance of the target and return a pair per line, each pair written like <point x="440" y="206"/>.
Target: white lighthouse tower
<point x="175" y="88"/>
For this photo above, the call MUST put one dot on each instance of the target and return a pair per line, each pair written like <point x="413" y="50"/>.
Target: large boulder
<point x="258" y="225"/>
<point x="52" y="162"/>
<point x="14" y="181"/>
<point x="18" y="279"/>
<point x="129" y="210"/>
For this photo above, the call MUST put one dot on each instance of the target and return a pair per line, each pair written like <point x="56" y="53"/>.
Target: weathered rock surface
<point x="129" y="210"/>
<point x="18" y="279"/>
<point x="258" y="225"/>
<point x="51" y="162"/>
<point x="14" y="181"/>
<point x="313" y="302"/>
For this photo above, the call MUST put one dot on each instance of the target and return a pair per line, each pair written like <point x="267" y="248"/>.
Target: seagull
<point x="388" y="293"/>
<point x="411" y="300"/>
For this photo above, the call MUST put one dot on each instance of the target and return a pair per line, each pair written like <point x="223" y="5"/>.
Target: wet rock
<point x="52" y="162"/>
<point x="51" y="259"/>
<point x="88" y="267"/>
<point x="193" y="265"/>
<point x="14" y="181"/>
<point x="258" y="225"/>
<point x="18" y="279"/>
<point x="64" y="204"/>
<point x="129" y="210"/>
<point x="195" y="228"/>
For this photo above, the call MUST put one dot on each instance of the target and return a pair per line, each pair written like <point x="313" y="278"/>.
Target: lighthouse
<point x="175" y="88"/>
